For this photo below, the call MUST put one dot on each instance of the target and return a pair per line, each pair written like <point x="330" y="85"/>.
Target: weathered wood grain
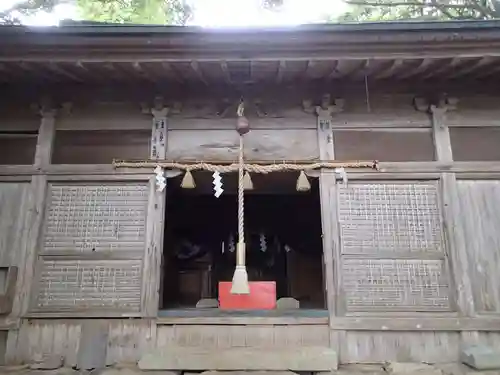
<point x="18" y="117"/>
<point x="479" y="201"/>
<point x="104" y="116"/>
<point x="370" y="347"/>
<point x="14" y="208"/>
<point x="475" y="144"/>
<point x="152" y="267"/>
<point x="296" y="144"/>
<point x="100" y="146"/>
<point x="128" y="339"/>
<point x="456" y="257"/>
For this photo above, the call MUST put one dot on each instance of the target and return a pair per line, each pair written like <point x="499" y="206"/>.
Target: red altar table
<point x="262" y="296"/>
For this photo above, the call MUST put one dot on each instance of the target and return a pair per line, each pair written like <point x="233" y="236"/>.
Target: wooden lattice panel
<point x="93" y="218"/>
<point x="89" y="284"/>
<point x="396" y="218"/>
<point x="395" y="285"/>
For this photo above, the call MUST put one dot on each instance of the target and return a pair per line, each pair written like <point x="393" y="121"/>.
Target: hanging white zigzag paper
<point x="263" y="242"/>
<point x="160" y="179"/>
<point x="218" y="190"/>
<point x="231" y="244"/>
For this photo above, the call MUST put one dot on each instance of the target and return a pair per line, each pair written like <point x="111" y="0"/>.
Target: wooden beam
<point x="465" y="168"/>
<point x="249" y="320"/>
<point x="460" y="281"/>
<point x="46" y="135"/>
<point x="414" y="324"/>
<point x="153" y="253"/>
<point x="329" y="218"/>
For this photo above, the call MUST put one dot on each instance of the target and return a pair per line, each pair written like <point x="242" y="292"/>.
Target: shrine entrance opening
<point x="282" y="233"/>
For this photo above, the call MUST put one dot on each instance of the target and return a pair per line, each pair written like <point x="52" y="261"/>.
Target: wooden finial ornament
<point x="303" y="183"/>
<point x="188" y="181"/>
<point x="242" y="124"/>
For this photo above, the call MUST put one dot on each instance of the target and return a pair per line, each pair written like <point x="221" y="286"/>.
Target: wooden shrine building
<point x="395" y="264"/>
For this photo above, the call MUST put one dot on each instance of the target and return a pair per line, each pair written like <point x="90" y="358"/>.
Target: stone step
<point x="234" y="359"/>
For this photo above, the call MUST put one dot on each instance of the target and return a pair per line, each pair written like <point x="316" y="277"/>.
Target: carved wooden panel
<point x="390" y="217"/>
<point x="89" y="284"/>
<point x="94" y="218"/>
<point x="395" y="285"/>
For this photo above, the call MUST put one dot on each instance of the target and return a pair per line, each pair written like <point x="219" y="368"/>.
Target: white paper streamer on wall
<point x="160" y="179"/>
<point x="343" y="174"/>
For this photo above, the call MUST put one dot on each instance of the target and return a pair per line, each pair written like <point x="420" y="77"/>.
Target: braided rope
<point x="253" y="168"/>
<point x="241" y="203"/>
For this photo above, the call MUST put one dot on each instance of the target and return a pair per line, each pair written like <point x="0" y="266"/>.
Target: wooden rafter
<point x="280" y="71"/>
<point x="423" y="67"/>
<point x="225" y="71"/>
<point x="471" y="68"/>
<point x="195" y="66"/>
<point x="455" y="63"/>
<point x="54" y="67"/>
<point x="137" y="67"/>
<point x="389" y="70"/>
<point x="167" y="68"/>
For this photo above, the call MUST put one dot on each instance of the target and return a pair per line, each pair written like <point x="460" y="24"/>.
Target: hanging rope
<point x="240" y="277"/>
<point x="253" y="168"/>
<point x="241" y="201"/>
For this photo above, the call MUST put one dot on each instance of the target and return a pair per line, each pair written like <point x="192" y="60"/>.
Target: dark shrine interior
<point x="282" y="235"/>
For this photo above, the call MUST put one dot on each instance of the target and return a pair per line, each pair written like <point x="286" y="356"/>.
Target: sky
<point x="219" y="13"/>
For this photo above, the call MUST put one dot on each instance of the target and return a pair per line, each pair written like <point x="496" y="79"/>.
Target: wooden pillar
<point x="37" y="197"/>
<point x="34" y="221"/>
<point x="455" y="242"/>
<point x="329" y="220"/>
<point x="153" y="259"/>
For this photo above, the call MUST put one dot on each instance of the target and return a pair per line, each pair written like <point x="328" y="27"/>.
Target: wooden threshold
<point x="253" y="317"/>
<point x="285" y="320"/>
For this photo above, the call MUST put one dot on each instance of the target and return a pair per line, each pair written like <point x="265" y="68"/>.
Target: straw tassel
<point x="247" y="182"/>
<point x="303" y="183"/>
<point x="188" y="181"/>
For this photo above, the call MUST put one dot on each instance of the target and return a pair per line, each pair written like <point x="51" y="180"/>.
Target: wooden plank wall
<point x="129" y="339"/>
<point x="380" y="314"/>
<point x="422" y="151"/>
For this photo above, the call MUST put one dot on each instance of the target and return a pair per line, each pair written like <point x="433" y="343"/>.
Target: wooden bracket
<point x="46" y="107"/>
<point x="159" y="105"/>
<point x="327" y="107"/>
<point x="444" y="103"/>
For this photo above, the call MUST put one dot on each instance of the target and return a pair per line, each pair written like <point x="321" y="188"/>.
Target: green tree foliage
<point x="161" y="12"/>
<point x="25" y="8"/>
<point x="389" y="10"/>
<point x="385" y="10"/>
